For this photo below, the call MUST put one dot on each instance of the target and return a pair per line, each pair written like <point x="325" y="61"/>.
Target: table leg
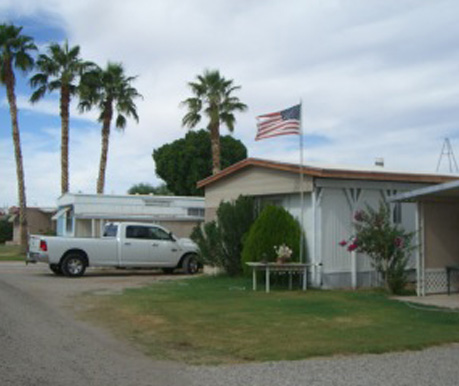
<point x="254" y="279"/>
<point x="267" y="279"/>
<point x="448" y="280"/>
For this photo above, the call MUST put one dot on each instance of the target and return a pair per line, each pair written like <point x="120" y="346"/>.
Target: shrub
<point x="274" y="227"/>
<point x="387" y="244"/>
<point x="220" y="242"/>
<point x="6" y="230"/>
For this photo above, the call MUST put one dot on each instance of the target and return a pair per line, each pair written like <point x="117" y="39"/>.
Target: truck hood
<point x="188" y="244"/>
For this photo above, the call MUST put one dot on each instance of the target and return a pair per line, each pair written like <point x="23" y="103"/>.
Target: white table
<point x="290" y="268"/>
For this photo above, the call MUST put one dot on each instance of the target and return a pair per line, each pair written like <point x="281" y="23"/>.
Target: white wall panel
<point x="336" y="226"/>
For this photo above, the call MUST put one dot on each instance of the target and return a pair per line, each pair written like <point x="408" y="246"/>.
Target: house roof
<point x="448" y="191"/>
<point x="336" y="172"/>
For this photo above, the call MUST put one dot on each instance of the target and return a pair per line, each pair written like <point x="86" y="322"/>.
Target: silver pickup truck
<point x="123" y="245"/>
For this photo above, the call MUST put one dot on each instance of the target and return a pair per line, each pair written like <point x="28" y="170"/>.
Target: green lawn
<point x="221" y="320"/>
<point x="11" y="253"/>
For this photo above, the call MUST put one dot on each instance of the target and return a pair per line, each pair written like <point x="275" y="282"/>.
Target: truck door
<point x="165" y="251"/>
<point x="135" y="248"/>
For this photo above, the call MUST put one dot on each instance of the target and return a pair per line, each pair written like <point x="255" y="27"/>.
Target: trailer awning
<point x="61" y="212"/>
<point x="448" y="191"/>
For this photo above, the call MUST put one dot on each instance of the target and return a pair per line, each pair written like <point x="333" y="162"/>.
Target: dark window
<point x="110" y="230"/>
<point x="146" y="233"/>
<point x="397" y="213"/>
<point x="159" y="234"/>
<point x="137" y="232"/>
<point x="197" y="212"/>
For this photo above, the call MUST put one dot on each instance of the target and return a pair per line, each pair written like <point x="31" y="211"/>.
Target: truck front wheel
<point x="190" y="264"/>
<point x="73" y="265"/>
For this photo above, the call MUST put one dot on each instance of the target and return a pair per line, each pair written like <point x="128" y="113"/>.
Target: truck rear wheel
<point x="190" y="264"/>
<point x="73" y="265"/>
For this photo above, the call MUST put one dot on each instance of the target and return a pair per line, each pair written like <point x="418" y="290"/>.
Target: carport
<point x="437" y="236"/>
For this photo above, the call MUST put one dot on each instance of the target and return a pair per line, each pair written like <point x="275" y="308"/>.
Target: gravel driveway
<point x="41" y="343"/>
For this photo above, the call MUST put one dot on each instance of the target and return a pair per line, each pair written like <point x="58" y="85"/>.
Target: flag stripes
<point x="285" y="122"/>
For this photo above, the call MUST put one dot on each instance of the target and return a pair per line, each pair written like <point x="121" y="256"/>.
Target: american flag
<point x="283" y="122"/>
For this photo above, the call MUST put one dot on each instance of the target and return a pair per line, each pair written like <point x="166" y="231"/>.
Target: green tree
<point x="221" y="241"/>
<point x="60" y="70"/>
<point x="273" y="227"/>
<point x="213" y="98"/>
<point x="6" y="230"/>
<point x="184" y="162"/>
<point x="146" y="188"/>
<point x="112" y="92"/>
<point x="15" y="52"/>
<point x="387" y="244"/>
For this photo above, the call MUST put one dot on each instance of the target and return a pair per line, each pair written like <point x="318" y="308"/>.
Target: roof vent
<point x="379" y="162"/>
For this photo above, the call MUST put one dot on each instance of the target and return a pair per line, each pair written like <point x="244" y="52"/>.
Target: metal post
<point x="302" y="257"/>
<point x="354" y="269"/>
<point x="254" y="278"/>
<point x="422" y="251"/>
<point x="418" y="249"/>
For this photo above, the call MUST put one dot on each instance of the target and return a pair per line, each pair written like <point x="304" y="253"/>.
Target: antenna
<point x="447" y="151"/>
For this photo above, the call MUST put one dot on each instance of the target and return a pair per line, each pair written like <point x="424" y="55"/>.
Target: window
<point x="146" y="233"/>
<point x="397" y="213"/>
<point x="110" y="230"/>
<point x="160" y="234"/>
<point x="137" y="232"/>
<point x="196" y="212"/>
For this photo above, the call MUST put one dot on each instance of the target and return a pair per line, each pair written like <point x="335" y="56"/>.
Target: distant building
<point x="85" y="215"/>
<point x="331" y="197"/>
<point x="39" y="220"/>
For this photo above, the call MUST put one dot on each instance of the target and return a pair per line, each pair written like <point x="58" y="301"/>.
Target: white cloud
<point x="376" y="79"/>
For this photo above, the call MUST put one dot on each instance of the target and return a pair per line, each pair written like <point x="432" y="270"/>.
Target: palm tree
<point x="212" y="97"/>
<point x="15" y="53"/>
<point x="109" y="89"/>
<point x="61" y="70"/>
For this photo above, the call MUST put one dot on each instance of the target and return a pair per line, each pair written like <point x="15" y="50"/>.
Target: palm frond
<point x="120" y="122"/>
<point x="191" y="119"/>
<point x="38" y="94"/>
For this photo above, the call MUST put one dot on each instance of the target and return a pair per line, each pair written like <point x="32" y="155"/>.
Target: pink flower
<point x="343" y="243"/>
<point x="352" y="247"/>
<point x="398" y="242"/>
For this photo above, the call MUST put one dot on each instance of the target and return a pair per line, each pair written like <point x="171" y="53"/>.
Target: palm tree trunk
<point x="215" y="145"/>
<point x="65" y="102"/>
<point x="104" y="151"/>
<point x="10" y="82"/>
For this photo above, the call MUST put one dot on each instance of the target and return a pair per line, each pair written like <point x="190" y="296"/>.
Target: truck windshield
<point x="110" y="230"/>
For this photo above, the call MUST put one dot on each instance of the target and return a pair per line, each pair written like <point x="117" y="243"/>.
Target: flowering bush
<point x="283" y="251"/>
<point x="387" y="244"/>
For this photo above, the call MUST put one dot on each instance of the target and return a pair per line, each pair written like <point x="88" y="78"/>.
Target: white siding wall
<point x="336" y="226"/>
<point x="337" y="215"/>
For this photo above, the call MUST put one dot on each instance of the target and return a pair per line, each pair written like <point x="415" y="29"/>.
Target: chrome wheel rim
<point x="193" y="266"/>
<point x="74" y="266"/>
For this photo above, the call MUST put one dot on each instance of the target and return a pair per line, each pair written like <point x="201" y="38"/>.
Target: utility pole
<point x="447" y="151"/>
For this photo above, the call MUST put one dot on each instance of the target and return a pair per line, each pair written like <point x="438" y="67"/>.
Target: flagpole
<point x="302" y="257"/>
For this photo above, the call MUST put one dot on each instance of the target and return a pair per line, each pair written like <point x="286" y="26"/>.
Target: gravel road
<point x="41" y="343"/>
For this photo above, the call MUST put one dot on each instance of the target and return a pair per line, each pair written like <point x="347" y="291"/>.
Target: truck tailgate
<point x="34" y="243"/>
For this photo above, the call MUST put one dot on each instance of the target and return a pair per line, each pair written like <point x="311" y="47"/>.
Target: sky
<point x="377" y="78"/>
